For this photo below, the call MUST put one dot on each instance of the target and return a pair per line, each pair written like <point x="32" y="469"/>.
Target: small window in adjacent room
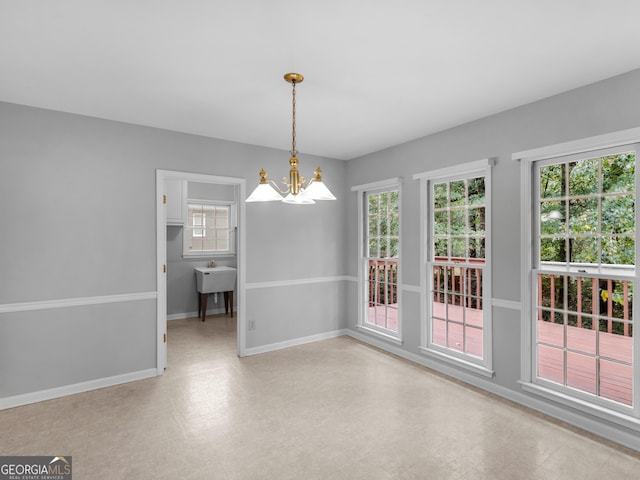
<point x="210" y="229"/>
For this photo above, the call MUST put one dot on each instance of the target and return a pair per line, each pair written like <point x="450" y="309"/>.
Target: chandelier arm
<point x="275" y="185"/>
<point x="317" y="176"/>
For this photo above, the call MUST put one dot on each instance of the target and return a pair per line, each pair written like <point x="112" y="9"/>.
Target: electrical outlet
<point x="252" y="324"/>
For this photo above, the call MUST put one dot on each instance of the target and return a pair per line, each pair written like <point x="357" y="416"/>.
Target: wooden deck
<point x="616" y="379"/>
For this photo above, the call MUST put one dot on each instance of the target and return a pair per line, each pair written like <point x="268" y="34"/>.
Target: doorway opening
<point x="171" y="209"/>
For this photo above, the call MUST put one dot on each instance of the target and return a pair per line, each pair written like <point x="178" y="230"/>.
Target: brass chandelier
<point x="295" y="191"/>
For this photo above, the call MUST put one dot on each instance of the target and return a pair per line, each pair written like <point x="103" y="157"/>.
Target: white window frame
<point x="187" y="231"/>
<point x="484" y="365"/>
<point x="199" y="230"/>
<point x="628" y="417"/>
<point x="363" y="299"/>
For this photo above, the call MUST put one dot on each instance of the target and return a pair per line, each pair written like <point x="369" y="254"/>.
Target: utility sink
<point x="216" y="279"/>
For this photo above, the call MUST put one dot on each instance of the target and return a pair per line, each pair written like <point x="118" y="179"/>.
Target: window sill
<point x="379" y="334"/>
<point x="458" y="362"/>
<point x="603" y="413"/>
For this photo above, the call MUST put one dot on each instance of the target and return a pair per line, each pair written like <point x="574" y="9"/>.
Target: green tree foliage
<point x="384" y="224"/>
<point x="587" y="211"/>
<point x="459" y="218"/>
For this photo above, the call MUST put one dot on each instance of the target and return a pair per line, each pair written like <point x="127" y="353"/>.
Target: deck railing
<point x="464" y="287"/>
<point x="383" y="282"/>
<point x="459" y="276"/>
<point x="602" y="302"/>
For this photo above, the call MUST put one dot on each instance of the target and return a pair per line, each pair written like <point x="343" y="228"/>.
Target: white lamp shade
<point x="301" y="199"/>
<point x="319" y="191"/>
<point x="264" y="193"/>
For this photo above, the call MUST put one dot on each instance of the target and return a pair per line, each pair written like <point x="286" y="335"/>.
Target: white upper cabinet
<point x="176" y="191"/>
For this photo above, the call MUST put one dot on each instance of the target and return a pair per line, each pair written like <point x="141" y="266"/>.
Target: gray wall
<point x="600" y="108"/>
<point x="77" y="208"/>
<point x="182" y="296"/>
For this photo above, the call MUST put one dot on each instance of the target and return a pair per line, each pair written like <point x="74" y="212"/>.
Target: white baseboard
<point x="42" y="395"/>
<point x="611" y="432"/>
<point x="295" y="342"/>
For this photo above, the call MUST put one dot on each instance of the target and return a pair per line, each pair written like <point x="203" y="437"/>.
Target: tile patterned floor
<point x="335" y="409"/>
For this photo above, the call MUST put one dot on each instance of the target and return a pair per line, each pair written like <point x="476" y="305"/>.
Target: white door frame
<point x="161" y="256"/>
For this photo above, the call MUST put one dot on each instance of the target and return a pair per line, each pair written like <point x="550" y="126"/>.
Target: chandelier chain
<point x="294" y="152"/>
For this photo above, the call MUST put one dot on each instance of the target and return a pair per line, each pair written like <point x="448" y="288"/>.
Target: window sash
<point x="564" y="234"/>
<point x="583" y="348"/>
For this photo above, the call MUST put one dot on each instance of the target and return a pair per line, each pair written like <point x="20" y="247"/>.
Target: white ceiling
<point x="377" y="72"/>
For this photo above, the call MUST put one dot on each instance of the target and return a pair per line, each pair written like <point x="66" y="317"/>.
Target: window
<point x="210" y="228"/>
<point x="456" y="279"/>
<point x="579" y="257"/>
<point x="383" y="242"/>
<point x="584" y="274"/>
<point x="458" y="263"/>
<point x="379" y="278"/>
